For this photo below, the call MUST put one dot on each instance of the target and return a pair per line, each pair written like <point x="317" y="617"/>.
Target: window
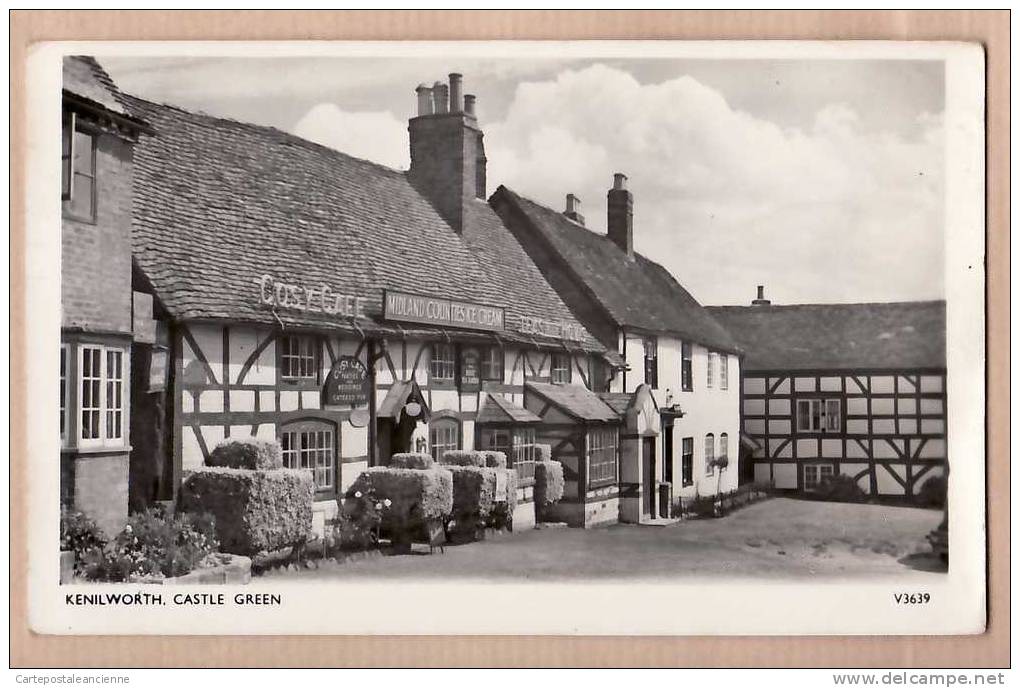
<point x="599" y="375"/>
<point x="560" y="372"/>
<point x="523" y="455"/>
<point x="814" y="474"/>
<point x="686" y="368"/>
<point x="602" y="457"/>
<point x="78" y="171"/>
<point x="724" y="371"/>
<point x="496" y="439"/>
<point x="724" y="446"/>
<point x="63" y="394"/>
<point x="709" y="454"/>
<point x="492" y="364"/>
<point x="444" y="436"/>
<point x="687" y="462"/>
<point x="102" y="395"/>
<point x="652" y="361"/>
<point x="310" y="446"/>
<point x="442" y="367"/>
<point x="710" y="370"/>
<point x="298" y="359"/>
<point x="819" y="415"/>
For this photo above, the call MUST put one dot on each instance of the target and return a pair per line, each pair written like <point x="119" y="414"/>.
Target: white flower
<point x="378" y="507"/>
<point x="387" y="502"/>
<point x="128" y="529"/>
<point x="358" y="495"/>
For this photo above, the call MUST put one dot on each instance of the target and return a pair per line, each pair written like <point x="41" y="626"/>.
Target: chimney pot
<point x="469" y="105"/>
<point x="441" y="98"/>
<point x="424" y="100"/>
<point x="573" y="209"/>
<point x="619" y="181"/>
<point x="456" y="100"/>
<point x="621" y="215"/>
<point x="761" y="300"/>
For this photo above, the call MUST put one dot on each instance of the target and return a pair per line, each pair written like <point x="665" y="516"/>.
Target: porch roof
<point x="576" y="401"/>
<point x="496" y="408"/>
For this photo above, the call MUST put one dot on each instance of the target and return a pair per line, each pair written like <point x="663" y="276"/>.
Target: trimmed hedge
<point x="548" y="482"/>
<point x="457" y="457"/>
<point x="503" y="512"/>
<point x="248" y="453"/>
<point x="543" y="452"/>
<point x="933" y="492"/>
<point x="415" y="495"/>
<point x="412" y="460"/>
<point x="495" y="459"/>
<point x="254" y="511"/>
<point x="474" y="493"/>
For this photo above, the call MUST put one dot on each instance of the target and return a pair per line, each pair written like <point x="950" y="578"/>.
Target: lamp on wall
<point x="412" y="409"/>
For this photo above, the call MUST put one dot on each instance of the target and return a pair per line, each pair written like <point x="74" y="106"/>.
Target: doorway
<point x="648" y="476"/>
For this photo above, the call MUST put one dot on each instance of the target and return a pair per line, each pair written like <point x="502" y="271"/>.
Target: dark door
<point x="648" y="476"/>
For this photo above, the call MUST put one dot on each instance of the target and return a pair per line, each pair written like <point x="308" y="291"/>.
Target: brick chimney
<point x="573" y="210"/>
<point x="761" y="300"/>
<point x="621" y="215"/>
<point x="447" y="154"/>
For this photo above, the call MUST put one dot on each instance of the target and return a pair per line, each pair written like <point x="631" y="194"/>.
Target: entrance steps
<point x="658" y="522"/>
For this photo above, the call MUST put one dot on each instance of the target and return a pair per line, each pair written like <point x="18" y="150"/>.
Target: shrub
<point x="839" y="488"/>
<point x="548" y="482"/>
<point x="543" y="452"/>
<point x="415" y="495"/>
<point x="474" y="492"/>
<point x="247" y="452"/>
<point x="703" y="506"/>
<point x="361" y="516"/>
<point x="79" y="534"/>
<point x="153" y="545"/>
<point x="464" y="458"/>
<point x="255" y="511"/>
<point x="495" y="459"/>
<point x="933" y="492"/>
<point x="412" y="460"/>
<point x="503" y="511"/>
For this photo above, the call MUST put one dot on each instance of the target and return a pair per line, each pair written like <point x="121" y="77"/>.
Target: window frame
<point x="102" y="440"/>
<point x="686" y="367"/>
<point x="444" y="423"/>
<point x="651" y="345"/>
<point x="65" y="394"/>
<point x="450" y="362"/>
<point x="724" y="371"/>
<point x="488" y="355"/>
<point x="710" y="371"/>
<point x="817" y="468"/>
<point x="609" y="439"/>
<point x="710" y="454"/>
<point x="301" y="429"/>
<point x="686" y="461"/>
<point x="553" y="367"/>
<point x="724" y="446"/>
<point x="286" y="378"/>
<point x="825" y="424"/>
<point x="68" y="203"/>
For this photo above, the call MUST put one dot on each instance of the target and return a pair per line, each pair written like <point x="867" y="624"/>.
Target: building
<point x="679" y="388"/>
<point x="346" y="309"/>
<point x="100" y="318"/>
<point x="855" y="389"/>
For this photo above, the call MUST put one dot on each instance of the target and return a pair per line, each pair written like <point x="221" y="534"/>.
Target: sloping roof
<point x="84" y="77"/>
<point x="635" y="292"/>
<point x="220" y="203"/>
<point x="496" y="408"/>
<point x="574" y="400"/>
<point x="858" y="335"/>
<point x="618" y="401"/>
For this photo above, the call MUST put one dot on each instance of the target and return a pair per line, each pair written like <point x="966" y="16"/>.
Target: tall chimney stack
<point x="761" y="300"/>
<point x="621" y="215"/>
<point x="573" y="210"/>
<point x="447" y="154"/>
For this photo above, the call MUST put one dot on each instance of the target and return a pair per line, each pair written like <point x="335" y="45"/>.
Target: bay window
<point x="102" y="395"/>
<point x="517" y="443"/>
<point x="602" y="457"/>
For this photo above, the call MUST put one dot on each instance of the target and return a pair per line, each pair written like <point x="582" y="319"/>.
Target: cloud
<point x="375" y="136"/>
<point x="727" y="200"/>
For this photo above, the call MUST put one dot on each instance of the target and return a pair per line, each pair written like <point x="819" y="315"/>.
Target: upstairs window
<point x="443" y="365"/>
<point x="78" y="171"/>
<point x="819" y="415"/>
<point x="560" y="372"/>
<point x="724" y="371"/>
<point x="710" y="371"/>
<point x="709" y="454"/>
<point x="651" y="361"/>
<point x="298" y="359"/>
<point x="686" y="368"/>
<point x="492" y="364"/>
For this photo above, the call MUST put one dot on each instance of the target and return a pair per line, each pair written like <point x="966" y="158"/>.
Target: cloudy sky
<point x="821" y="179"/>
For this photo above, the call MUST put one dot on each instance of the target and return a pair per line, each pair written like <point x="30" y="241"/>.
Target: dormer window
<point x="78" y="171"/>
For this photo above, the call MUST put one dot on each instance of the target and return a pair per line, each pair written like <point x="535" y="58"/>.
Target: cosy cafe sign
<point x="309" y="299"/>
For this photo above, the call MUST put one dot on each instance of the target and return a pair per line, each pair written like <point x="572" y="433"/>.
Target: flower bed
<point x="714" y="506"/>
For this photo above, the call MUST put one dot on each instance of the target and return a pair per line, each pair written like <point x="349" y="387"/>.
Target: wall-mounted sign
<point x="157" y="370"/>
<point x="429" y="310"/>
<point x="310" y="299"/>
<point x="347" y="384"/>
<point x="557" y="329"/>
<point x="470" y="373"/>
<point x="142" y="325"/>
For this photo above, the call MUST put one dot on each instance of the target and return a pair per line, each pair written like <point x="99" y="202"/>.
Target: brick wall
<point x="96" y="258"/>
<point x="101" y="489"/>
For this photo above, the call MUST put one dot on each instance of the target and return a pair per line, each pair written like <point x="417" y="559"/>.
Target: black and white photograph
<point x="648" y="334"/>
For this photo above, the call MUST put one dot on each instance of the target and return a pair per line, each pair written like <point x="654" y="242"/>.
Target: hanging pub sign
<point x="157" y="369"/>
<point x="347" y="384"/>
<point x="470" y="374"/>
<point x="429" y="310"/>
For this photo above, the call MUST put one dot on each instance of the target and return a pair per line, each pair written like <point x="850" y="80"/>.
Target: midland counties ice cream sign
<point x="429" y="310"/>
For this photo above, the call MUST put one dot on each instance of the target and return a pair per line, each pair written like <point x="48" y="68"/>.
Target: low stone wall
<point x="236" y="570"/>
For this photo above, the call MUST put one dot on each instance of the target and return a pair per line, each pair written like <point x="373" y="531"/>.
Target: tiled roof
<point x="576" y="401"/>
<point x="618" y="401"/>
<point x="859" y="335"/>
<point x="220" y="203"/>
<point x="635" y="292"/>
<point x="84" y="77"/>
<point x="496" y="408"/>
